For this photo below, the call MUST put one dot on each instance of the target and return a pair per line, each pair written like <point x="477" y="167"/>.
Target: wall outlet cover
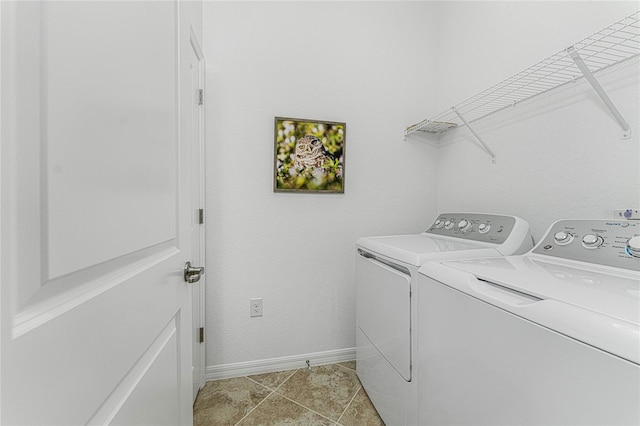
<point x="255" y="307"/>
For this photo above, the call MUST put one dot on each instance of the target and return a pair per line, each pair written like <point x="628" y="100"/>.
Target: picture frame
<point x="309" y="155"/>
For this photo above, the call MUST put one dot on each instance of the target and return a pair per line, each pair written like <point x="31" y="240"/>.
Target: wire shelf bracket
<point x="473" y="132"/>
<point x="626" y="130"/>
<point x="606" y="48"/>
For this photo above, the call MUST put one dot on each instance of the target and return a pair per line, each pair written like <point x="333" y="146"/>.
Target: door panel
<point x="96" y="317"/>
<point x="90" y="190"/>
<point x="108" y="123"/>
<point x="144" y="387"/>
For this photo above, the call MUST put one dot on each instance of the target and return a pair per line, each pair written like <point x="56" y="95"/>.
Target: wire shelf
<point x="614" y="44"/>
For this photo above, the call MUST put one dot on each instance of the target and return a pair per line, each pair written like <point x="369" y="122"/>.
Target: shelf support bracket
<point x="626" y="130"/>
<point x="484" y="145"/>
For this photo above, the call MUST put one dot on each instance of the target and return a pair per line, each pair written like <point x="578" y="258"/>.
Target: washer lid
<point x="416" y="249"/>
<point x="614" y="293"/>
<point x="600" y="307"/>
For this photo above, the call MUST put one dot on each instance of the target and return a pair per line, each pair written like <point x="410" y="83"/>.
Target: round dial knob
<point x="438" y="223"/>
<point x="633" y="246"/>
<point x="592" y="241"/>
<point x="448" y="224"/>
<point x="483" y="228"/>
<point x="464" y="225"/>
<point x="562" y="237"/>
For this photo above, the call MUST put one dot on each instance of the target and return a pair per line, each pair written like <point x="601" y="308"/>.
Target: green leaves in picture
<point x="309" y="155"/>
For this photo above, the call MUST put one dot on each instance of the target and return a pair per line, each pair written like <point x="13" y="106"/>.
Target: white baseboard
<point x="240" y="369"/>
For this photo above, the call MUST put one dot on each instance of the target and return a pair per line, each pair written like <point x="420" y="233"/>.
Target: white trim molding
<point x="261" y="366"/>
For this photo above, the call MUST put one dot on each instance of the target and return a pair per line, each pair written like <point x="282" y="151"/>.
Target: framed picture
<point x="309" y="155"/>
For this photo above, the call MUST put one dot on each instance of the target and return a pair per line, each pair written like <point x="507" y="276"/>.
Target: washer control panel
<point x="474" y="226"/>
<point x="604" y="242"/>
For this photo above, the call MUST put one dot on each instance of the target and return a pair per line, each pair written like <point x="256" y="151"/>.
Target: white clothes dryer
<point x="386" y="269"/>
<point x="549" y="337"/>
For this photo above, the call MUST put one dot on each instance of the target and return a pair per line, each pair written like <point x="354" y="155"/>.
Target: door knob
<point x="192" y="273"/>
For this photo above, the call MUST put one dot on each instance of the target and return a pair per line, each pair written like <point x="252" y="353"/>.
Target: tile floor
<point x="323" y="395"/>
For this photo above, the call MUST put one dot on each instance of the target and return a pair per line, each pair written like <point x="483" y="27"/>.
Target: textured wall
<point x="558" y="156"/>
<point x="357" y="62"/>
<point x="381" y="66"/>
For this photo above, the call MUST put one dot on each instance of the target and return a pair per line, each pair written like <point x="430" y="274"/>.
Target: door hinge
<point x="200" y="97"/>
<point x="201" y="216"/>
<point x="201" y="334"/>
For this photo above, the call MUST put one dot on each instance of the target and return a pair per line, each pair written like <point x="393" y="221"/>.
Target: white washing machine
<point x="551" y="337"/>
<point x="386" y="269"/>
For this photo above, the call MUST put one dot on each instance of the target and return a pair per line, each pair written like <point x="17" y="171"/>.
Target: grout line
<point x="276" y="391"/>
<point x="345" y="367"/>
<point x="277" y="387"/>
<point x="307" y="408"/>
<point x="257" y="405"/>
<point x="286" y="380"/>
<point x="349" y="404"/>
<point x="257" y="383"/>
<point x="265" y="398"/>
<point x="254" y="408"/>
<point x="313" y="411"/>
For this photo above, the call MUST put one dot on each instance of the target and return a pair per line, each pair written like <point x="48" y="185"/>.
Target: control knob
<point x="562" y="237"/>
<point x="633" y="246"/>
<point x="592" y="241"/>
<point x="438" y="223"/>
<point x="464" y="225"/>
<point x="448" y="224"/>
<point x="483" y="228"/>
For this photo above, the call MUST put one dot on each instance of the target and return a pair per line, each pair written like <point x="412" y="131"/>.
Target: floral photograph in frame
<point x="309" y="155"/>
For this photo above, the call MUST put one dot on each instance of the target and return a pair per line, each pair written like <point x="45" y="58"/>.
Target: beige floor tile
<point x="272" y="380"/>
<point x="277" y="410"/>
<point x="326" y="389"/>
<point x="225" y="402"/>
<point x="361" y="412"/>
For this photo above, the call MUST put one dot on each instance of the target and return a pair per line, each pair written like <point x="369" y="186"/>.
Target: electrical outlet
<point x="255" y="307"/>
<point x="627" y="214"/>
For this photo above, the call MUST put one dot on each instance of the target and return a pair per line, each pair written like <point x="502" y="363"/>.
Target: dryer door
<point x="384" y="311"/>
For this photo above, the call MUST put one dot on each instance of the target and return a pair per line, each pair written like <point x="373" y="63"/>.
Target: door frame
<point x="200" y="288"/>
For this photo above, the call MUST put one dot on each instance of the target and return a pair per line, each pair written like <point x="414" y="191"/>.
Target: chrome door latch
<point x="192" y="273"/>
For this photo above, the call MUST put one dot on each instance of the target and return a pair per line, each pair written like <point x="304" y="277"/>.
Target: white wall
<point x="361" y="63"/>
<point x="381" y="66"/>
<point x="558" y="156"/>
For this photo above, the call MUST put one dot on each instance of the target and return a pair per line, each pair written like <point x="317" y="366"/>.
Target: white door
<point x="95" y="218"/>
<point x="196" y="68"/>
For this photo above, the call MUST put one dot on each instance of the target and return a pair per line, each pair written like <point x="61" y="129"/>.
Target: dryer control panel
<point x="613" y="243"/>
<point x="486" y="228"/>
